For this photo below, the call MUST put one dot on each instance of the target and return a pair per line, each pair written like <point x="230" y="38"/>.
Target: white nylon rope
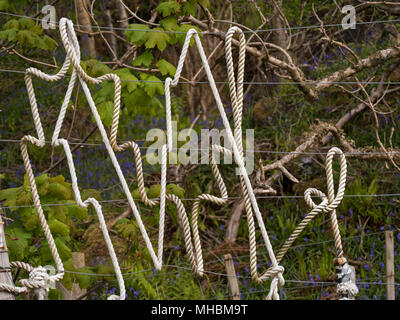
<point x="195" y="255"/>
<point x="276" y="271"/>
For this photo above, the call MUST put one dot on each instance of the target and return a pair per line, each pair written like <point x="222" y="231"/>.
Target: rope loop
<point x="333" y="200"/>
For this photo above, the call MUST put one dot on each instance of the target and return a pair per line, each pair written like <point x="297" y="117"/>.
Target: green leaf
<point x="138" y="33"/>
<point x="26" y="24"/>
<point x="31" y="223"/>
<point x="204" y="3"/>
<point x="58" y="227"/>
<point x="155" y="85"/>
<point x="137" y="99"/>
<point x="26" y="37"/>
<point x="169" y="7"/>
<point x="170" y="23"/>
<point x="166" y="67"/>
<point x="9" y="35"/>
<point x="50" y="43"/>
<point x="4" y="5"/>
<point x="59" y="191"/>
<point x="128" y="229"/>
<point x="63" y="250"/>
<point x="128" y="80"/>
<point x="106" y="110"/>
<point x="91" y="193"/>
<point x="17" y="243"/>
<point x="11" y="24"/>
<point x="154" y="191"/>
<point x="157" y="38"/>
<point x="184" y="28"/>
<point x="106" y="92"/>
<point x="176" y="190"/>
<point x="83" y="279"/>
<point x="144" y="59"/>
<point x="78" y="212"/>
<point x="190" y="8"/>
<point x="59" y="213"/>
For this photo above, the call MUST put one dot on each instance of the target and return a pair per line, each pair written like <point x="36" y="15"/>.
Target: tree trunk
<point x="83" y="20"/>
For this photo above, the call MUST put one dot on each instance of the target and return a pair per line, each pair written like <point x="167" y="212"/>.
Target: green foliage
<point x="166" y="67"/>
<point x="143" y="60"/>
<point x="26" y="239"/>
<point x="169" y="7"/>
<point x="25" y="32"/>
<point x="159" y="39"/>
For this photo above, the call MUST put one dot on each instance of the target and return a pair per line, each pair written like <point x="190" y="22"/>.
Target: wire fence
<point x="209" y="32"/>
<point x="319" y="82"/>
<point x="186" y="268"/>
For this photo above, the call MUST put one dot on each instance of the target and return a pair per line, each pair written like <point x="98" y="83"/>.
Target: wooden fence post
<point x="232" y="279"/>
<point x="389" y="265"/>
<point x="5" y="272"/>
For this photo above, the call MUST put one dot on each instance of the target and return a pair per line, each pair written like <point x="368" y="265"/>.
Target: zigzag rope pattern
<point x="190" y="229"/>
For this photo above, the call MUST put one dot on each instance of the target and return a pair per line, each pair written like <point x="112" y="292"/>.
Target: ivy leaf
<point x="106" y="110"/>
<point x="154" y="85"/>
<point x="169" y="7"/>
<point x="144" y="59"/>
<point x="138" y="33"/>
<point x="158" y="39"/>
<point x="166" y="67"/>
<point x="170" y="23"/>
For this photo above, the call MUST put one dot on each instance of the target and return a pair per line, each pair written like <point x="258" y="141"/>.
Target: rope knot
<point x="277" y="280"/>
<point x="38" y="279"/>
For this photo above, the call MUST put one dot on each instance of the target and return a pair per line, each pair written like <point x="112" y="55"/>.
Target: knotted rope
<point x="346" y="286"/>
